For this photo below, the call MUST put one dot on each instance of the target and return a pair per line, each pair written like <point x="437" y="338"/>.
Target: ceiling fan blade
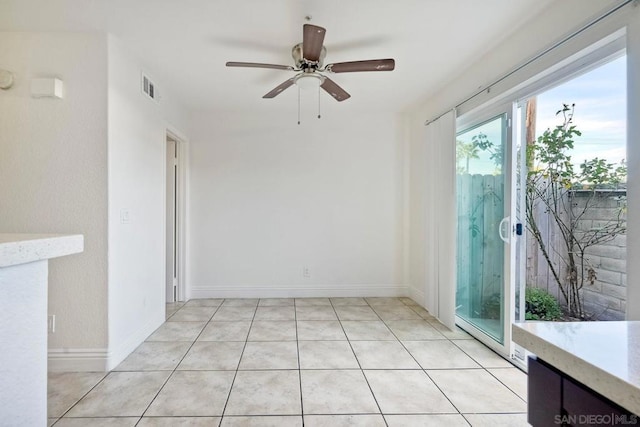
<point x="312" y="39"/>
<point x="259" y="65"/>
<point x="334" y="90"/>
<point x="279" y="89"/>
<point x="356" y="66"/>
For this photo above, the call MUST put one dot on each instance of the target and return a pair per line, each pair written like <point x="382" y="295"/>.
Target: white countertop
<point x="604" y="356"/>
<point x="23" y="248"/>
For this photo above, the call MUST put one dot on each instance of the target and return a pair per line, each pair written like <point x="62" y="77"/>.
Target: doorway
<point x="174" y="219"/>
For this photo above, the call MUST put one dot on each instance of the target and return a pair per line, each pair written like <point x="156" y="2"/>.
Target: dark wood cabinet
<point x="554" y="399"/>
<point x="544" y="394"/>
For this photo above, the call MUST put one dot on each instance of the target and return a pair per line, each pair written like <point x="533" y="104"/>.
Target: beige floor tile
<point x="336" y="392"/>
<point x="171" y="308"/>
<point x="276" y="302"/>
<point x="155" y="356"/>
<point x="64" y="389"/>
<point x="476" y="391"/>
<point x="439" y="354"/>
<point x="326" y="355"/>
<point x="356" y="312"/>
<point x="205" y="302"/>
<point x="312" y="301"/>
<point x="409" y="302"/>
<point x="497" y="420"/>
<point x="315" y="312"/>
<point x="179" y="422"/>
<point x="344" y="421"/>
<point x="234" y="312"/>
<point x="380" y="301"/>
<point x="320" y="330"/>
<point x="273" y="330"/>
<point x="396" y="312"/>
<point x="414" y="330"/>
<point x="367" y="330"/>
<point x="98" y="422"/>
<point x="120" y="394"/>
<point x="259" y="337"/>
<point x="443" y="420"/>
<point x="276" y="313"/>
<point x="513" y="378"/>
<point x="270" y="355"/>
<point x="482" y="354"/>
<point x="174" y="305"/>
<point x="383" y="355"/>
<point x="457" y="334"/>
<point x="226" y="331"/>
<point x="265" y="393"/>
<point x="211" y="389"/>
<point x="420" y="311"/>
<point x="240" y="302"/>
<point x="51" y="421"/>
<point x="336" y="302"/>
<point x="212" y="355"/>
<point x="407" y="392"/>
<point x="177" y="331"/>
<point x="193" y="314"/>
<point x="270" y="421"/>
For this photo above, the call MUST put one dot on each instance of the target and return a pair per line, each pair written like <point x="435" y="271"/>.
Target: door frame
<point x="467" y="121"/>
<point x="181" y="200"/>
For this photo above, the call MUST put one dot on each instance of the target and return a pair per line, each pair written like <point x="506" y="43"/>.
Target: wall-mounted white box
<point x="47" y="88"/>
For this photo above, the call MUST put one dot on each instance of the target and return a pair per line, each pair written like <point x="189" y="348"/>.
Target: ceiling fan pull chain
<point x="318" y="101"/>
<point x="298" y="104"/>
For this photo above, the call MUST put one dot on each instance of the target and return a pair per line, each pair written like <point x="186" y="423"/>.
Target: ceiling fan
<point x="309" y="56"/>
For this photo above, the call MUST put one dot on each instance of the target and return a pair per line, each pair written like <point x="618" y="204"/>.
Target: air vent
<point x="149" y="87"/>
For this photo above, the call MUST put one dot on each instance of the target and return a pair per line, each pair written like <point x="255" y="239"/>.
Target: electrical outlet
<point x="306" y="272"/>
<point x="51" y="324"/>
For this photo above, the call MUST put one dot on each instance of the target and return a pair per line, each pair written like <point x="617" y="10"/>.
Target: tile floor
<point x="288" y="362"/>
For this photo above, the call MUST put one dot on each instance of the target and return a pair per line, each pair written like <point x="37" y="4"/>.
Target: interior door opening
<point x="172" y="220"/>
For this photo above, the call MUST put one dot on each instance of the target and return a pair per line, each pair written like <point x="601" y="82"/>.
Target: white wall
<point x="268" y="197"/>
<point x="71" y="166"/>
<point x="53" y="173"/>
<point x="560" y="20"/>
<point x="136" y="158"/>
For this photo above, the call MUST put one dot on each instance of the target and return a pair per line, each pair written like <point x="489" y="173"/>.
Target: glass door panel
<point x="482" y="227"/>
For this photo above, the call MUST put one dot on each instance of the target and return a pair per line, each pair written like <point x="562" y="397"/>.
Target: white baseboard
<point x="99" y="359"/>
<point x="78" y="359"/>
<point x="298" y="291"/>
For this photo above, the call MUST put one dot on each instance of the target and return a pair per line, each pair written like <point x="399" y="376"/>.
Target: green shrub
<point x="541" y="305"/>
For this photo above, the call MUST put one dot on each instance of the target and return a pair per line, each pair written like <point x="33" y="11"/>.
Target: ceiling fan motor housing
<point x="305" y="64"/>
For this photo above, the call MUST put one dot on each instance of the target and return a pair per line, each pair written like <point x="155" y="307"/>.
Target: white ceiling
<point x="185" y="43"/>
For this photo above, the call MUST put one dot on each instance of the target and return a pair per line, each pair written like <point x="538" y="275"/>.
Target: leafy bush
<point x="541" y="305"/>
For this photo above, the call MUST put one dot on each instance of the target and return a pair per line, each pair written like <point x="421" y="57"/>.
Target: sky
<point x="600" y="111"/>
<point x="600" y="114"/>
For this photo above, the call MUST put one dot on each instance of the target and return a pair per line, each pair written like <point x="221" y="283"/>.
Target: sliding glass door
<point x="484" y="260"/>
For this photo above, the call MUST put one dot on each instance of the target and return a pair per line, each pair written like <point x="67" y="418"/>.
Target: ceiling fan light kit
<point x="309" y="57"/>
<point x="307" y="81"/>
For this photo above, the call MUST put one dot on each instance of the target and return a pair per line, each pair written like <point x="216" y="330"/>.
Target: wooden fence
<point x="479" y="248"/>
<point x="480" y="253"/>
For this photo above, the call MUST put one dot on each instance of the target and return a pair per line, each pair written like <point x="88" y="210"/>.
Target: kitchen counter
<point x="24" y="248"/>
<point x="24" y="266"/>
<point x="604" y="356"/>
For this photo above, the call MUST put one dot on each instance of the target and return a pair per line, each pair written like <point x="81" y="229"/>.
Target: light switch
<point x="124" y="216"/>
